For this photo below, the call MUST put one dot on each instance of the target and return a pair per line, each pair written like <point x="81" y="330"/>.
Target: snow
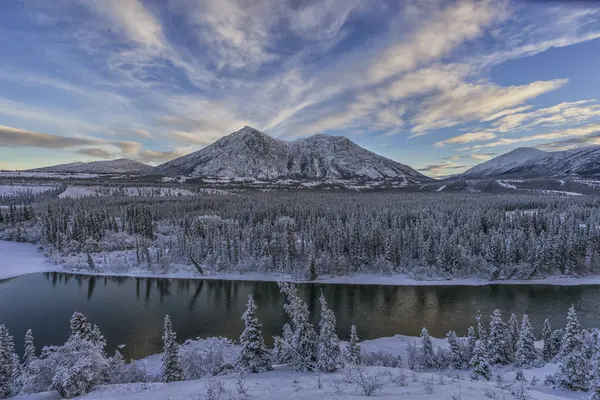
<point x="285" y="383"/>
<point x="22" y="258"/>
<point x="506" y="185"/>
<point x="12" y="190"/>
<point x="74" y="192"/>
<point x="504" y="162"/>
<point x="561" y="192"/>
<point x="440" y="189"/>
<point x="47" y="175"/>
<point x="120" y="166"/>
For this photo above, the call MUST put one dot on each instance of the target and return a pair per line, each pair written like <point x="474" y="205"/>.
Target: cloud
<point x="438" y="33"/>
<point x="467" y="138"/>
<point x="13" y="137"/>
<point x="483" y="156"/>
<point x="142" y="133"/>
<point x="578" y="132"/>
<point x="442" y="168"/>
<point x="196" y="138"/>
<point x="151" y="156"/>
<point x="95" y="152"/>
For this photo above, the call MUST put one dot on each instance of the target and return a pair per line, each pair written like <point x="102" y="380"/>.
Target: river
<point x="130" y="311"/>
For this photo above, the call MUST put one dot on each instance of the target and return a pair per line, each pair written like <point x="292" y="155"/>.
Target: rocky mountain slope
<point x="251" y="154"/>
<point x="120" y="166"/>
<point x="532" y="163"/>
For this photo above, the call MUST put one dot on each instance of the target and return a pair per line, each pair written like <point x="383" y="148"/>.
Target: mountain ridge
<point x="117" y="166"/>
<point x="249" y="153"/>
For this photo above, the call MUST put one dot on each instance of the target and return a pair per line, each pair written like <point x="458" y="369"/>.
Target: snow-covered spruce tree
<point x="526" y="353"/>
<point x="311" y="273"/>
<point x="427" y="352"/>
<point x="80" y="326"/>
<point x="471" y="342"/>
<point x="304" y="338"/>
<point x="557" y="340"/>
<point x="513" y="335"/>
<point x="171" y="370"/>
<point x="353" y="355"/>
<point x="594" y="375"/>
<point x="573" y="367"/>
<point x="329" y="354"/>
<point x="116" y="368"/>
<point x="547" y="352"/>
<point x="499" y="343"/>
<point x="481" y="331"/>
<point x="480" y="363"/>
<point x="254" y="357"/>
<point x="282" y="351"/>
<point x="29" y="349"/>
<point x="79" y="365"/>
<point x="456" y="352"/>
<point x="8" y="364"/>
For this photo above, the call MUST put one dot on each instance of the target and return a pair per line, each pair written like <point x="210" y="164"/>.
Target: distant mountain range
<point x="251" y="154"/>
<point x="528" y="162"/>
<point x="120" y="166"/>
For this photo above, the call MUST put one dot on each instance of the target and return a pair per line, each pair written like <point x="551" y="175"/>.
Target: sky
<point x="438" y="85"/>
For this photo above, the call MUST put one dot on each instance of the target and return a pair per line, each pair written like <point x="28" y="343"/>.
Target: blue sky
<point x="439" y="85"/>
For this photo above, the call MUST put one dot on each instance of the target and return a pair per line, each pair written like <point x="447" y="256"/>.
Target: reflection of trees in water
<point x="211" y="307"/>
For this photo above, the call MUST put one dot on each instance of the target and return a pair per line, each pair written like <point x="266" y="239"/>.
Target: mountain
<point x="120" y="166"/>
<point x="532" y="163"/>
<point x="251" y="154"/>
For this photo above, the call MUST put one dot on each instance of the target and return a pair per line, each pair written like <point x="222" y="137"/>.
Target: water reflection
<point x="130" y="310"/>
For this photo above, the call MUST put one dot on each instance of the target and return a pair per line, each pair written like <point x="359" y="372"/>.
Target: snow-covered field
<point x="12" y="190"/>
<point x="50" y="175"/>
<point x="506" y="185"/>
<point x="22" y="258"/>
<point x="75" y="192"/>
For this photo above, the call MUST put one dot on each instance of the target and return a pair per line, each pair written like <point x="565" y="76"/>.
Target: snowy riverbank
<point x="21" y="259"/>
<point x="25" y="258"/>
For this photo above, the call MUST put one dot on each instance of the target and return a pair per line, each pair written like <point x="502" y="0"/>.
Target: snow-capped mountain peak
<point x="250" y="153"/>
<point x="504" y="163"/>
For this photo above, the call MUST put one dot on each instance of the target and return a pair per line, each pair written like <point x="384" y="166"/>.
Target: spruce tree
<point x="29" y="349"/>
<point x="304" y="337"/>
<point x="573" y="367"/>
<point x="329" y="354"/>
<point x="254" y="357"/>
<point x="526" y="353"/>
<point x="456" y="353"/>
<point x="427" y="354"/>
<point x="480" y="363"/>
<point x="499" y="343"/>
<point x="547" y="353"/>
<point x="171" y="370"/>
<point x="481" y="331"/>
<point x="312" y="268"/>
<point x="471" y="342"/>
<point x="594" y="384"/>
<point x="513" y="335"/>
<point x="353" y="350"/>
<point x="8" y="363"/>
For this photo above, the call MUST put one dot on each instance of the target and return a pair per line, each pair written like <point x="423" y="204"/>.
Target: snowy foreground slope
<point x="284" y="383"/>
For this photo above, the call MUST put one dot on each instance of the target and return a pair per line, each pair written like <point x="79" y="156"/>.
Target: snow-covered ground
<point x="506" y="185"/>
<point x="51" y="175"/>
<point x="12" y="190"/>
<point x="25" y="258"/>
<point x="283" y="383"/>
<point x="22" y="258"/>
<point x="74" y="192"/>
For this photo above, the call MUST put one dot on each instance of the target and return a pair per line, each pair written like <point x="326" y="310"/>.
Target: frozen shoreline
<point x="24" y="258"/>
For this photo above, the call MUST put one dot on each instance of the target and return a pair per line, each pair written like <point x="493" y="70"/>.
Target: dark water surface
<point x="131" y="310"/>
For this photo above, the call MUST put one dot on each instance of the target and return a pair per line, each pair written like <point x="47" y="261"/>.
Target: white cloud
<point x="467" y="138"/>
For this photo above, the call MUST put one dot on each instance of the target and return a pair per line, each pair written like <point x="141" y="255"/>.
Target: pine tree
<point x="427" y="354"/>
<point x="171" y="370"/>
<point x="8" y="363"/>
<point x="80" y="326"/>
<point x="526" y="353"/>
<point x="455" y="350"/>
<point x="499" y="344"/>
<point x="353" y="351"/>
<point x="329" y="354"/>
<point x="573" y="368"/>
<point x="471" y="342"/>
<point x="547" y="352"/>
<point x="513" y="335"/>
<point x="480" y="363"/>
<point x="304" y="337"/>
<point x="595" y="374"/>
<point x="254" y="357"/>
<point x="481" y="331"/>
<point x="29" y="349"/>
<point x="312" y="268"/>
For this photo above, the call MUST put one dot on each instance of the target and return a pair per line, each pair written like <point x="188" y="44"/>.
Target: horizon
<point x="440" y="86"/>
